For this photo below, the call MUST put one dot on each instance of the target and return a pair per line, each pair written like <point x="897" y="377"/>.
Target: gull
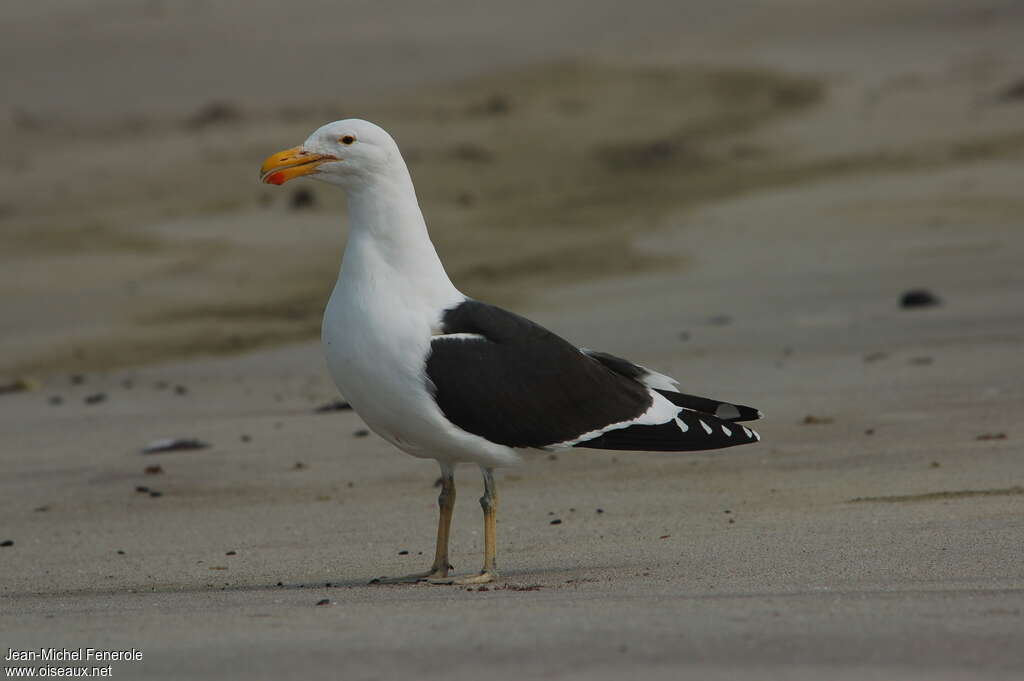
<point x="443" y="376"/>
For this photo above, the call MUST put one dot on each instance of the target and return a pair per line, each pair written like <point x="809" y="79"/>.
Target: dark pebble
<point x="120" y="552"/>
<point x="153" y="470"/>
<point x="154" y="493"/>
<point x="95" y="398"/>
<point x="180" y="390"/>
<point x="56" y="399"/>
<point x="403" y="553"/>
<point x="1012" y="92"/>
<point x="732" y="521"/>
<point x="556" y="521"/>
<point x="174" y="444"/>
<point x="42" y="509"/>
<point x="600" y="510"/>
<point x="918" y="298"/>
<point x="141" y="489"/>
<point x="324" y="601"/>
<point x="246" y="438"/>
<point x="77" y="379"/>
<point x="362" y="432"/>
<point x="299" y="466"/>
<point x="869" y="431"/>
<point x="720" y="320"/>
<point x="280" y="583"/>
<point x="7" y="542"/>
<point x="302" y="198"/>
<point x="336" y="405"/>
<point x="231" y="553"/>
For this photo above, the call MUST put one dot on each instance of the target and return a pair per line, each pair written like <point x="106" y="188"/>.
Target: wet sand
<point x="747" y="224"/>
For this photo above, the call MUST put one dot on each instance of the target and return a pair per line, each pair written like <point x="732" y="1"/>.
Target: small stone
<point x="180" y="390"/>
<point x="935" y="464"/>
<point x="362" y="432"/>
<point x="120" y="552"/>
<point x="7" y="542"/>
<point x="142" y="489"/>
<point x="298" y="466"/>
<point x="231" y="553"/>
<point x="599" y="511"/>
<point x="156" y="469"/>
<point x="324" y="601"/>
<point x="810" y="420"/>
<point x="174" y="444"/>
<point x="154" y="493"/>
<point x="76" y="379"/>
<point x="991" y="436"/>
<point x="246" y="438"/>
<point x="56" y="399"/>
<point x="403" y="553"/>
<point x="918" y="298"/>
<point x="95" y="398"/>
<point x="556" y="521"/>
<point x="336" y="405"/>
<point x="302" y="198"/>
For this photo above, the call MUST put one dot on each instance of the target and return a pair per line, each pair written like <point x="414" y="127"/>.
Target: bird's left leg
<point x="446" y="504"/>
<point x="489" y="504"/>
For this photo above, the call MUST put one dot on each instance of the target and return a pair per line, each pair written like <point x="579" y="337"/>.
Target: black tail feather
<point x="723" y="410"/>
<point x="690" y="431"/>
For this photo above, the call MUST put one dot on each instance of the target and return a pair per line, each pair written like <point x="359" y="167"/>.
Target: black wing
<point x="502" y="377"/>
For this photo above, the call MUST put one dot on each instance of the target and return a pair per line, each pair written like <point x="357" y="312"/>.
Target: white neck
<point x="388" y="245"/>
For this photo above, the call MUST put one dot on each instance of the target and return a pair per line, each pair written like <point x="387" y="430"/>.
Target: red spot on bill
<point x="275" y="178"/>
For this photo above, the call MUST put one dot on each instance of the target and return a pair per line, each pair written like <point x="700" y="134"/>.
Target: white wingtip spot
<point x="727" y="431"/>
<point x="748" y="433"/>
<point x="756" y="436"/>
<point x="682" y="425"/>
<point x="707" y="428"/>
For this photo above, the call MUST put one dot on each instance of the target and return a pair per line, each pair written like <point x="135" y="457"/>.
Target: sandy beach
<point x="738" y="197"/>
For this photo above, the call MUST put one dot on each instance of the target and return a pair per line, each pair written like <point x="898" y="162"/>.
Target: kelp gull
<point x="442" y="376"/>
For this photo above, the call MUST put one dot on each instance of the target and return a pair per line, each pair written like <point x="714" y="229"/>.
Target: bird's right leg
<point x="446" y="504"/>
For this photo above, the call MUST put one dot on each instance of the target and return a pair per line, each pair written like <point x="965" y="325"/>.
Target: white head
<point x="348" y="153"/>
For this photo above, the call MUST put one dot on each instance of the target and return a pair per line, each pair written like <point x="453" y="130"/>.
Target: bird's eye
<point x="347" y="139"/>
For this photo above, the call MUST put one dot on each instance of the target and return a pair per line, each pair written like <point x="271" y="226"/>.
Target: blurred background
<point x="545" y="138"/>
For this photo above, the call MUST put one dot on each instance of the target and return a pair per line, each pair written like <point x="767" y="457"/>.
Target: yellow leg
<point x="489" y="504"/>
<point x="446" y="504"/>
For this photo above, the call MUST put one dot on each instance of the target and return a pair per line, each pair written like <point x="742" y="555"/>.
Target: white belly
<point x="376" y="355"/>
